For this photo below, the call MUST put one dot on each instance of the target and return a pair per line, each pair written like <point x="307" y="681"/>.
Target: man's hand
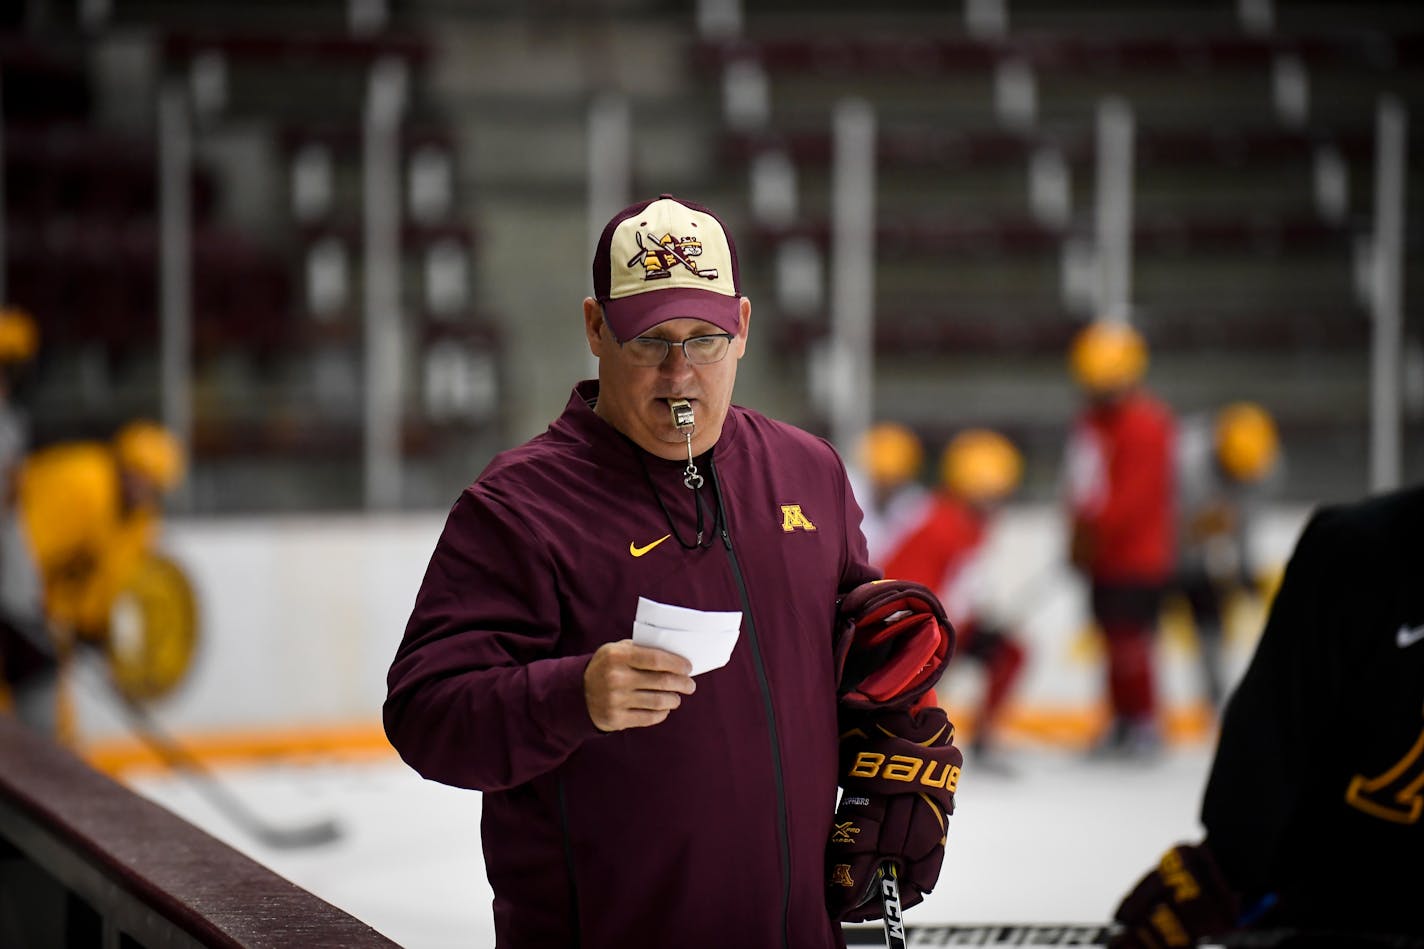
<point x="1182" y="900"/>
<point x="632" y="686"/>
<point x="899" y="771"/>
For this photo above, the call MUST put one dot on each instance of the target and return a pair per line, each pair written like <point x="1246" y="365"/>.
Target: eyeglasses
<point x="698" y="350"/>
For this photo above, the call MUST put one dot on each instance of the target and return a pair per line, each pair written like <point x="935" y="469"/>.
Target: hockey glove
<point x="892" y="643"/>
<point x="899" y="772"/>
<point x="1183" y="899"/>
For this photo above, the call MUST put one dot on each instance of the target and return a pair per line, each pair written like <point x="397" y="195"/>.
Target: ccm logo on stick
<point x="871" y="764"/>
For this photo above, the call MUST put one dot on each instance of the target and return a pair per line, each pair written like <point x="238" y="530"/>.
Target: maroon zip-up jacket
<point x="710" y="828"/>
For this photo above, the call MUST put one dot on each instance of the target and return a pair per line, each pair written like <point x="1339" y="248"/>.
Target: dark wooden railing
<point x="84" y="861"/>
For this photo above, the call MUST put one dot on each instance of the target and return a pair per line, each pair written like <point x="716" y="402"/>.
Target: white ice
<point x="1058" y="842"/>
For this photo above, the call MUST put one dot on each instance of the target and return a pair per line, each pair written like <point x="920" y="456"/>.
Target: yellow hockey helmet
<point x="890" y="453"/>
<point x="980" y="465"/>
<point x="151" y="450"/>
<point x="19" y="337"/>
<point x="1107" y="356"/>
<point x="1246" y="441"/>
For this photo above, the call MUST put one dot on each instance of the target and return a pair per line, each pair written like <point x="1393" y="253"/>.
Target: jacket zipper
<point x="567" y="836"/>
<point x="770" y="711"/>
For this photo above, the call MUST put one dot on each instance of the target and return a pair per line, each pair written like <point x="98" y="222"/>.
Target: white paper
<point x="702" y="637"/>
<point x="682" y="617"/>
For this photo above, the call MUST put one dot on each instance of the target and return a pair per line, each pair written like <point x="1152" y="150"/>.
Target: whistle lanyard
<point x="684" y="422"/>
<point x="691" y="476"/>
<point x="705" y="537"/>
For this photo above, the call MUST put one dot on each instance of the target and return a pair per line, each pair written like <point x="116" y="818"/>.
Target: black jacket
<point x="1317" y="791"/>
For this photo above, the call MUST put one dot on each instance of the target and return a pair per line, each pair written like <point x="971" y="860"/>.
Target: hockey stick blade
<point x="182" y="761"/>
<point x="291" y="837"/>
<point x="992" y="934"/>
<point x="891" y="912"/>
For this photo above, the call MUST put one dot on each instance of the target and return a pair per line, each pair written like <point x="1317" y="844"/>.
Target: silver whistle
<point x="682" y="415"/>
<point x="682" y="421"/>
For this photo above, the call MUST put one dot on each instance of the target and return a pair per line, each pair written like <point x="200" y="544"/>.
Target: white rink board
<point x="301" y="616"/>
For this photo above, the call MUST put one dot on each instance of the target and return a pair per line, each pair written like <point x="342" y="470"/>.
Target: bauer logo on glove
<point x="906" y="768"/>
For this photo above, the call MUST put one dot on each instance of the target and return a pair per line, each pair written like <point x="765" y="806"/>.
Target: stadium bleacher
<point x="273" y="380"/>
<point x="1252" y="163"/>
<point x="1252" y="195"/>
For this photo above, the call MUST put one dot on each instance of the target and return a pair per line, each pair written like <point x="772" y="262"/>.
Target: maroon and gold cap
<point x="664" y="259"/>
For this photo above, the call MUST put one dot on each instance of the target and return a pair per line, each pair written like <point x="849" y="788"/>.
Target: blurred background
<point x="338" y="248"/>
<point x="360" y="275"/>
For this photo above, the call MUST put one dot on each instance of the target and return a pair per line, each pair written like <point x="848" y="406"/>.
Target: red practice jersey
<point x="938" y="551"/>
<point x="1120" y="487"/>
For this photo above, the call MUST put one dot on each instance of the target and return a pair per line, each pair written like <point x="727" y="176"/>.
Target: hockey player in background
<point x="19" y="344"/>
<point x="28" y="672"/>
<point x="978" y="470"/>
<point x="886" y="481"/>
<point x="1225" y="461"/>
<point x="90" y="512"/>
<point x="1118" y="469"/>
<point x="1314" y="806"/>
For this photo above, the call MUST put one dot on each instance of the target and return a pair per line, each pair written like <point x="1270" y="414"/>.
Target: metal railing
<point x="85" y="861"/>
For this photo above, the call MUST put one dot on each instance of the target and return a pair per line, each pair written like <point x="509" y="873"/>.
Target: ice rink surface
<point x="1058" y="841"/>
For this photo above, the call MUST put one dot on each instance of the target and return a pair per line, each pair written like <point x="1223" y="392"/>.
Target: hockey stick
<point x="994" y="934"/>
<point x="183" y="761"/>
<point x="1099" y="934"/>
<point x="891" y="912"/>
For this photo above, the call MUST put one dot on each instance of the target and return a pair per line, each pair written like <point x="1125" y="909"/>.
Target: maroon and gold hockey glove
<point x="1183" y="899"/>
<point x="892" y="643"/>
<point x="899" y="772"/>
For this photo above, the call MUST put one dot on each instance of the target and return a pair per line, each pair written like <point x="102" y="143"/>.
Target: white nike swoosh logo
<point x="1407" y="637"/>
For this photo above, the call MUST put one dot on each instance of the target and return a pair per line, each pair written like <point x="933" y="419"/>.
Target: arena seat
<point x="44" y="82"/>
<point x="330" y="48"/>
<point x="873" y="52"/>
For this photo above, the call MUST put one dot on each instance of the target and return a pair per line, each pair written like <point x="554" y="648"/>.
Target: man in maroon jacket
<point x="626" y="803"/>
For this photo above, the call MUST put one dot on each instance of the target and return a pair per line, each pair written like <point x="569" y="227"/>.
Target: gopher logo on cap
<point x="660" y="255"/>
<point x="692" y="251"/>
<point x="666" y="259"/>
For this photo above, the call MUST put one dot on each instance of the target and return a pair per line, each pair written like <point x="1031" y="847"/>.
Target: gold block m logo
<point x="792" y="518"/>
